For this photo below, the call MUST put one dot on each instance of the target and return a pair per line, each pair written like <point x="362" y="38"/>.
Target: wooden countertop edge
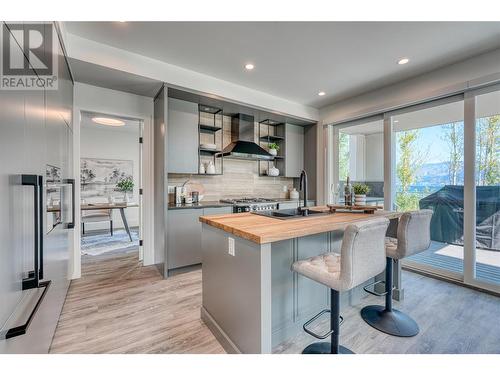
<point x="216" y="221"/>
<point x="209" y="220"/>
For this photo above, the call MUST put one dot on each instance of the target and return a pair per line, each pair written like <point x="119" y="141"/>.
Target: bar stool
<point x="361" y="258"/>
<point x="413" y="237"/>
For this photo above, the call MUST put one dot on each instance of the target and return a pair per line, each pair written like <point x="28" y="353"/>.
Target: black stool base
<point x="392" y="322"/>
<point x="324" y="348"/>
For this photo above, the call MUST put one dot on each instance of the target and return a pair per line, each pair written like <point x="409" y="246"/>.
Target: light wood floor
<point x="120" y="307"/>
<point x="452" y="320"/>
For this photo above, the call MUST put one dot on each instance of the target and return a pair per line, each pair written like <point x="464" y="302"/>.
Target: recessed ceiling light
<point x="403" y="61"/>
<point x="108" y="121"/>
<point x="249" y="66"/>
<point x="321" y="93"/>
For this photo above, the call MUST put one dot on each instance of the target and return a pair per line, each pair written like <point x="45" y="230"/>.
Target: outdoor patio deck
<point x="450" y="257"/>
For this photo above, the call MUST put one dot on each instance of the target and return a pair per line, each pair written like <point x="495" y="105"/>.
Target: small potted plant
<point x="274" y="148"/>
<point x="125" y="185"/>
<point x="360" y="191"/>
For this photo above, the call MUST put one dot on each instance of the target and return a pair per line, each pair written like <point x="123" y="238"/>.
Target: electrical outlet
<point x="230" y="249"/>
<point x="171" y="189"/>
<point x="285" y="188"/>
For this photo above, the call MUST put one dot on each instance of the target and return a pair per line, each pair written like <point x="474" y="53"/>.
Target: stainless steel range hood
<point x="243" y="144"/>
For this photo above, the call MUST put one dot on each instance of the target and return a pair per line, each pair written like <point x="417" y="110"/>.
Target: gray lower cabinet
<point x="183" y="238"/>
<point x="294" y="150"/>
<point x="184" y="235"/>
<point x="182" y="137"/>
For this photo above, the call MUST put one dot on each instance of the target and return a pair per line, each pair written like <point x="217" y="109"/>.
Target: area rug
<point x="97" y="244"/>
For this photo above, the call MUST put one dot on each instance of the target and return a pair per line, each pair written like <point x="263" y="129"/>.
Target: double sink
<point x="292" y="213"/>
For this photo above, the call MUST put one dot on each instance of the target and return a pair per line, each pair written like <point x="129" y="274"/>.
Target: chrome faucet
<point x="303" y="187"/>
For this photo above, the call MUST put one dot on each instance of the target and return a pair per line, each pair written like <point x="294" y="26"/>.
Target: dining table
<point x="121" y="206"/>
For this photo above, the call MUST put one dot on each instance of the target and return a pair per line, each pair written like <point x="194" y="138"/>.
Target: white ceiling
<point x="295" y="60"/>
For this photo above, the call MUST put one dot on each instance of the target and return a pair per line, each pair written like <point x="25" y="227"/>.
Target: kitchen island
<point x="252" y="301"/>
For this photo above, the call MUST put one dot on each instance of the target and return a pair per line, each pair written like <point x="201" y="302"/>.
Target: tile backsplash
<point x="240" y="179"/>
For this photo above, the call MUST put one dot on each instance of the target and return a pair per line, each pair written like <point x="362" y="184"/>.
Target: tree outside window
<point x="344" y="156"/>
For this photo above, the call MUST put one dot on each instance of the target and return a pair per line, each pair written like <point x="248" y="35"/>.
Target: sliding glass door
<point x="428" y="173"/>
<point x="486" y="257"/>
<point x="443" y="155"/>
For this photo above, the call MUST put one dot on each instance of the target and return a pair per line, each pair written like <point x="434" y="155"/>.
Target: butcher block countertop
<point x="262" y="229"/>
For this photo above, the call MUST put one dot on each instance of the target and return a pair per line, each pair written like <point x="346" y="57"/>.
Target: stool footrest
<point x="373" y="292"/>
<point x="314" y="318"/>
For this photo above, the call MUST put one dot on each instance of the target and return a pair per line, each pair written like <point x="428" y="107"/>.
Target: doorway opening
<point x="110" y="186"/>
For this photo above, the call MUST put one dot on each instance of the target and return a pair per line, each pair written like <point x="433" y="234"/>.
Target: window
<point x="360" y="155"/>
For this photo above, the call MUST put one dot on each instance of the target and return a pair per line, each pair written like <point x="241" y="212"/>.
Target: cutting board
<point x="366" y="209"/>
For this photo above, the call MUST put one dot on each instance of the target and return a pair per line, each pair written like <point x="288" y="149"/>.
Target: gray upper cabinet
<point x="182" y="137"/>
<point x="294" y="150"/>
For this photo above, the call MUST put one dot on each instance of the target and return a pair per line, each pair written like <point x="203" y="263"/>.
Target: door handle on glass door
<point x="71" y="181"/>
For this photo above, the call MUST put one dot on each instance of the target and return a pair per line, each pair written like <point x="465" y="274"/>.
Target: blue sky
<point x="432" y="146"/>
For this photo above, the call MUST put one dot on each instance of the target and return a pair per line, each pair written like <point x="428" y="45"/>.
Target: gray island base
<point x="252" y="301"/>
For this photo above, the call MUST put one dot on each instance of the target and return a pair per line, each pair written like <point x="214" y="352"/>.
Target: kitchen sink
<point x="292" y="213"/>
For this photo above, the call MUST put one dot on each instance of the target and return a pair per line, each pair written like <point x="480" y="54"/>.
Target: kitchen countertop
<point x="261" y="229"/>
<point x="212" y="204"/>
<point x="200" y="205"/>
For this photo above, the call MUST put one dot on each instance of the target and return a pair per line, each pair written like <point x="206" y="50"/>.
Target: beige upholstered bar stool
<point x="362" y="257"/>
<point x="413" y="236"/>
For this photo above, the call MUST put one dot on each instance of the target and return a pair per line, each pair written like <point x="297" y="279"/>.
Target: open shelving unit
<point x="210" y="126"/>
<point x="271" y="131"/>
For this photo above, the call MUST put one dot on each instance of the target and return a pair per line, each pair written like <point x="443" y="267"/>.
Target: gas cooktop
<point x="251" y="204"/>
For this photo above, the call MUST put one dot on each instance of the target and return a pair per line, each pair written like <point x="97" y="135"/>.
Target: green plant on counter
<point x="274" y="146"/>
<point x="361" y="189"/>
<point x="125" y="185"/>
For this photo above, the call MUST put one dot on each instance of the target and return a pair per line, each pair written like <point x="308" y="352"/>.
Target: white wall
<point x="88" y="98"/>
<point x="374" y="157"/>
<point x="113" y="143"/>
<point x="357" y="157"/>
